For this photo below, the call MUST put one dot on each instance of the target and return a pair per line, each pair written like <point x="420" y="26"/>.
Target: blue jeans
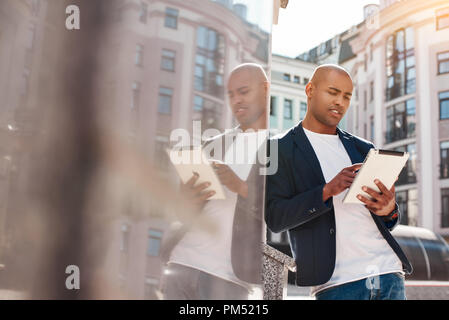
<point x="388" y="286"/>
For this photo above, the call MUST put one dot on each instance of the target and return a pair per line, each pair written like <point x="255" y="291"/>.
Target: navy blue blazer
<point x="294" y="203"/>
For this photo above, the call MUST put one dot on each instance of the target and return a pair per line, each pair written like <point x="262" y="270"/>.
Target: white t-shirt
<point x="361" y="250"/>
<point x="210" y="250"/>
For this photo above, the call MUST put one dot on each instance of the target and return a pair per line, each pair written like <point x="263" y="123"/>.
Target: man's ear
<point x="266" y="86"/>
<point x="309" y="89"/>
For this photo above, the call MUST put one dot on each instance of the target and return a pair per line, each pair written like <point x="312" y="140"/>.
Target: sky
<point x="307" y="23"/>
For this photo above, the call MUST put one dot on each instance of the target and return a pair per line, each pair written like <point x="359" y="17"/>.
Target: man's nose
<point x="236" y="100"/>
<point x="339" y="101"/>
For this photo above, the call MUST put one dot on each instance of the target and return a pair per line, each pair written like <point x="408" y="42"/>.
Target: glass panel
<point x="443" y="67"/>
<point x="409" y="38"/>
<point x="106" y="130"/>
<point x="443" y="55"/>
<point x="400" y="41"/>
<point x="444" y="95"/>
<point x="444" y="109"/>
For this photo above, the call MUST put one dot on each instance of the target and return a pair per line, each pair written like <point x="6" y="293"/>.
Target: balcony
<point x="403" y="132"/>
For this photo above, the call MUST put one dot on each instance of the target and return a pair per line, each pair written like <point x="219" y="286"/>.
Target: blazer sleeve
<point x="285" y="209"/>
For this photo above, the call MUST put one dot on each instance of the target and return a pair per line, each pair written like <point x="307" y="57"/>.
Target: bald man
<point x="342" y="251"/>
<point x="226" y="264"/>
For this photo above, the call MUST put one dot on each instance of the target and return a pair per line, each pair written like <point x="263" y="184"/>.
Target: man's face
<point x="247" y="97"/>
<point x="330" y="97"/>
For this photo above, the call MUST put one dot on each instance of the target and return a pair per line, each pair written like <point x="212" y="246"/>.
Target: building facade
<point x="399" y="59"/>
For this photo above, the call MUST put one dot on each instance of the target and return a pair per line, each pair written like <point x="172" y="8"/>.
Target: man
<point x="344" y="251"/>
<point x="225" y="263"/>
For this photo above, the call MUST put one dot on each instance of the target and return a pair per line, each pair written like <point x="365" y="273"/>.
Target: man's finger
<point x="206" y="195"/>
<point x="201" y="187"/>
<point x="354" y="167"/>
<point x="382" y="187"/>
<point x="373" y="193"/>
<point x="368" y="202"/>
<point x="191" y="182"/>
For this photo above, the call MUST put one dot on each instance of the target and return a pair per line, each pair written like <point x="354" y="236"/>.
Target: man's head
<point x="328" y="95"/>
<point x="248" y="90"/>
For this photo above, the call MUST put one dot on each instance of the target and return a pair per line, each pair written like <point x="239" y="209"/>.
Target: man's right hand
<point x="341" y="181"/>
<point x="196" y="195"/>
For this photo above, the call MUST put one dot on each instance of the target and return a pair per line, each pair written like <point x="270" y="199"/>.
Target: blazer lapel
<point x="349" y="144"/>
<point x="307" y="152"/>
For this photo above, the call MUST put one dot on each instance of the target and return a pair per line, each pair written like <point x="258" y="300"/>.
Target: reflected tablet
<point x="384" y="165"/>
<point x="189" y="161"/>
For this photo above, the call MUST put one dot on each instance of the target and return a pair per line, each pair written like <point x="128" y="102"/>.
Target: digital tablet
<point x="193" y="160"/>
<point x="385" y="165"/>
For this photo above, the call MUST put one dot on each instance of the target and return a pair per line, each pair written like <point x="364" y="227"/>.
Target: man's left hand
<point x="230" y="179"/>
<point x="383" y="202"/>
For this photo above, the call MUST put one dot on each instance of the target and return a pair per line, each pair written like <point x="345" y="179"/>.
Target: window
<point x="165" y="100"/>
<point x="161" y="159"/>
<point x="288" y="106"/>
<point x="407" y="203"/>
<point x="171" y="18"/>
<point x="139" y="55"/>
<point x="402" y="201"/>
<point x="143" y="13"/>
<point x="135" y="95"/>
<point x="443" y="62"/>
<point x="286" y="77"/>
<point x="302" y="110"/>
<point x="371" y="125"/>
<point x="444" y="208"/>
<point x="209" y="62"/>
<point x="207" y="111"/>
<point x="408" y="174"/>
<point x="365" y="131"/>
<point x="444" y="105"/>
<point x="168" y="60"/>
<point x="154" y="242"/>
<point x="124" y="244"/>
<point x="198" y="103"/>
<point x="371" y="91"/>
<point x="296" y="79"/>
<point x="400" y="65"/>
<point x="305" y="81"/>
<point x="444" y="160"/>
<point x="442" y="18"/>
<point x="401" y="121"/>
<point x="371" y="49"/>
<point x="273" y="102"/>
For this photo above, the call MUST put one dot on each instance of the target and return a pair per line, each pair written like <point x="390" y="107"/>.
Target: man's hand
<point x="196" y="196"/>
<point x="341" y="181"/>
<point x="383" y="202"/>
<point x="230" y="179"/>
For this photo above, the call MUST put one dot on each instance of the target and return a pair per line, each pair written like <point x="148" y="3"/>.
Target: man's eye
<point x="332" y="93"/>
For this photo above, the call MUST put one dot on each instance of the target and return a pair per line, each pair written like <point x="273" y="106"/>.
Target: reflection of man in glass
<point x="225" y="263"/>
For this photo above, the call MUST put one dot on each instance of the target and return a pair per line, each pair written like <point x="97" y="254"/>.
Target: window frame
<point x="171" y="18"/>
<point x="440" y="101"/>
<point x="439" y="62"/>
<point x="162" y="94"/>
<point x="172" y="60"/>
<point x="290" y="115"/>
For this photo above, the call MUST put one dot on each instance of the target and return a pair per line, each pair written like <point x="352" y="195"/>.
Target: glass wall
<point x="94" y="95"/>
